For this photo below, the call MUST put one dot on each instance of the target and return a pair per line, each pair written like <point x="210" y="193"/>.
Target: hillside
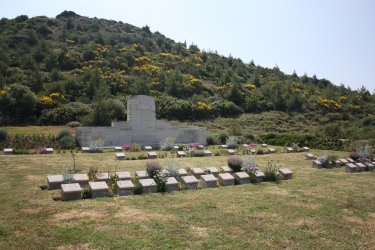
<point x="73" y="68"/>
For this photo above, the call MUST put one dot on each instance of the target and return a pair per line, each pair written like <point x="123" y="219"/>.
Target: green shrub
<point x="136" y="147"/>
<point x="62" y="133"/>
<point x="210" y="140"/>
<point x="133" y="158"/>
<point x="199" y="153"/>
<point x="235" y="163"/>
<point x="138" y="189"/>
<point x="21" y="152"/>
<point x="3" y="134"/>
<point x="249" y="136"/>
<point x="231" y="142"/>
<point x="74" y="124"/>
<point x="96" y="146"/>
<point x="67" y="142"/>
<point x="260" y="151"/>
<point x="271" y="172"/>
<point x="222" y="137"/>
<point x="142" y="156"/>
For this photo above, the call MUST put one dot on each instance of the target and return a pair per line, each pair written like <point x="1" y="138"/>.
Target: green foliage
<point x="210" y="140"/>
<point x="96" y="146"/>
<point x="67" y="142"/>
<point x="271" y="172"/>
<point x="3" y="134"/>
<point x="222" y="137"/>
<point x="231" y="142"/>
<point x="63" y="133"/>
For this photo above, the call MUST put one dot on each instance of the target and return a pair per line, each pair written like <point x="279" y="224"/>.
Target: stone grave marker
<point x="118" y="149"/>
<point x="226" y="179"/>
<point x="152" y="155"/>
<point x="197" y="172"/>
<point x="148" y="185"/>
<point x="98" y="189"/>
<point x="148" y="148"/>
<point x="207" y="153"/>
<point x="223" y="146"/>
<point x="171" y="185"/>
<point x="102" y="177"/>
<point x="119" y="156"/>
<point x="317" y="164"/>
<point x="181" y="172"/>
<point x="350" y="168"/>
<point x="123" y="176"/>
<point x="286" y="173"/>
<point x="142" y="174"/>
<point x="181" y="154"/>
<point x="208" y="181"/>
<point x="190" y="182"/>
<point x="310" y="157"/>
<point x="264" y="145"/>
<point x="253" y="151"/>
<point x="49" y="150"/>
<point x="214" y="171"/>
<point x="54" y="181"/>
<point x="350" y="160"/>
<point x="81" y="179"/>
<point x="343" y="161"/>
<point x="201" y="147"/>
<point x="125" y="188"/>
<point x="361" y="167"/>
<point x="306" y="149"/>
<point x="271" y="151"/>
<point x="85" y="150"/>
<point x="242" y="177"/>
<point x="289" y="150"/>
<point x="231" y="152"/>
<point x="259" y="177"/>
<point x="71" y="191"/>
<point x="371" y="166"/>
<point x="337" y="164"/>
<point x="8" y="151"/>
<point x="226" y="169"/>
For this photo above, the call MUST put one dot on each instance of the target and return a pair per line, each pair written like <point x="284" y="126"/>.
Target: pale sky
<point x="334" y="39"/>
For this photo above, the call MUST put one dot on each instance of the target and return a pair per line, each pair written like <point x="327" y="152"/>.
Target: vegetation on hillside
<point x="73" y="68"/>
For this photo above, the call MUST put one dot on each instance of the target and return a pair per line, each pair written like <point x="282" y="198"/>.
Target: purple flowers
<point x="127" y="146"/>
<point x="235" y="163"/>
<point x="153" y="168"/>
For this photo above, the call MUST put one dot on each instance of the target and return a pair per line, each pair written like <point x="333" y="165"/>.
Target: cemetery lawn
<point x="317" y="209"/>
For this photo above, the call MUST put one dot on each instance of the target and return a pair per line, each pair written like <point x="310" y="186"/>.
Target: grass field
<point x="317" y="209"/>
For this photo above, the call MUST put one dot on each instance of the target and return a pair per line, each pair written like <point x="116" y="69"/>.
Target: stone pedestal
<point x="81" y="179"/>
<point x="171" y="185"/>
<point x="264" y="145"/>
<point x="85" y="150"/>
<point x="224" y="146"/>
<point x="259" y="177"/>
<point x="361" y="167"/>
<point x="119" y="156"/>
<point x="71" y="191"/>
<point x="54" y="182"/>
<point x="337" y="164"/>
<point x="350" y="160"/>
<point x="176" y="147"/>
<point x="124" y="176"/>
<point x="49" y="150"/>
<point x="306" y="149"/>
<point x="181" y="154"/>
<point x="253" y="151"/>
<point x="242" y="178"/>
<point x="271" y="151"/>
<point x="343" y="161"/>
<point x="98" y="189"/>
<point x="207" y="153"/>
<point x="125" y="188"/>
<point x="350" y="168"/>
<point x="197" y="172"/>
<point x="148" y="148"/>
<point x="102" y="177"/>
<point x="231" y="152"/>
<point x="371" y="166"/>
<point x="317" y="164"/>
<point x="8" y="151"/>
<point x="226" y="169"/>
<point x="181" y="172"/>
<point x="141" y="174"/>
<point x="289" y="150"/>
<point x="214" y="171"/>
<point x="285" y="173"/>
<point x="190" y="182"/>
<point x="208" y="181"/>
<point x="148" y="185"/>
<point x="118" y="149"/>
<point x="152" y="155"/>
<point x="310" y="157"/>
<point x="226" y="179"/>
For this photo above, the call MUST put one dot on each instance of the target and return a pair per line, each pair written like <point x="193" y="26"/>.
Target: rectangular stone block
<point x="317" y="164"/>
<point x="148" y="148"/>
<point x="253" y="151"/>
<point x="190" y="182"/>
<point x="213" y="170"/>
<point x="49" y="150"/>
<point x="231" y="152"/>
<point x="98" y="189"/>
<point x="207" y="153"/>
<point x="148" y="185"/>
<point x="226" y="169"/>
<point x="124" y="176"/>
<point x="141" y="174"/>
<point x="289" y="150"/>
<point x="223" y="146"/>
<point x="125" y="188"/>
<point x="306" y="149"/>
<point x="271" y="151"/>
<point x="8" y="151"/>
<point x="264" y="145"/>
<point x="181" y="154"/>
<point x="81" y="179"/>
<point x="171" y="185"/>
<point x="176" y="147"/>
<point x="152" y="155"/>
<point x="118" y="149"/>
<point x="242" y="178"/>
<point x="71" y="191"/>
<point x="226" y="179"/>
<point x="102" y="177"/>
<point x="119" y="157"/>
<point x="54" y="182"/>
<point x="310" y="157"/>
<point x="197" y="172"/>
<point x="201" y="147"/>
<point x="337" y="164"/>
<point x="343" y="161"/>
<point x="361" y="167"/>
<point x="350" y="160"/>
<point x="85" y="150"/>
<point x="350" y="168"/>
<point x="181" y="172"/>
<point x="285" y="173"/>
<point x="208" y="181"/>
<point x="371" y="166"/>
<point x="259" y="177"/>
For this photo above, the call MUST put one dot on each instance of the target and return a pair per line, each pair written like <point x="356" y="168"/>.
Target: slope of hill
<point x="74" y="68"/>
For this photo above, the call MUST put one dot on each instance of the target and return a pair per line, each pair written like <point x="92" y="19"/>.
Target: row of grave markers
<point x="125" y="186"/>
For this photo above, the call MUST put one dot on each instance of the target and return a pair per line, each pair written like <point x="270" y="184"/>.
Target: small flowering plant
<point x="153" y="168"/>
<point x="193" y="146"/>
<point x="127" y="146"/>
<point x="235" y="163"/>
<point x="43" y="150"/>
<point x="252" y="145"/>
<point x="294" y="146"/>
